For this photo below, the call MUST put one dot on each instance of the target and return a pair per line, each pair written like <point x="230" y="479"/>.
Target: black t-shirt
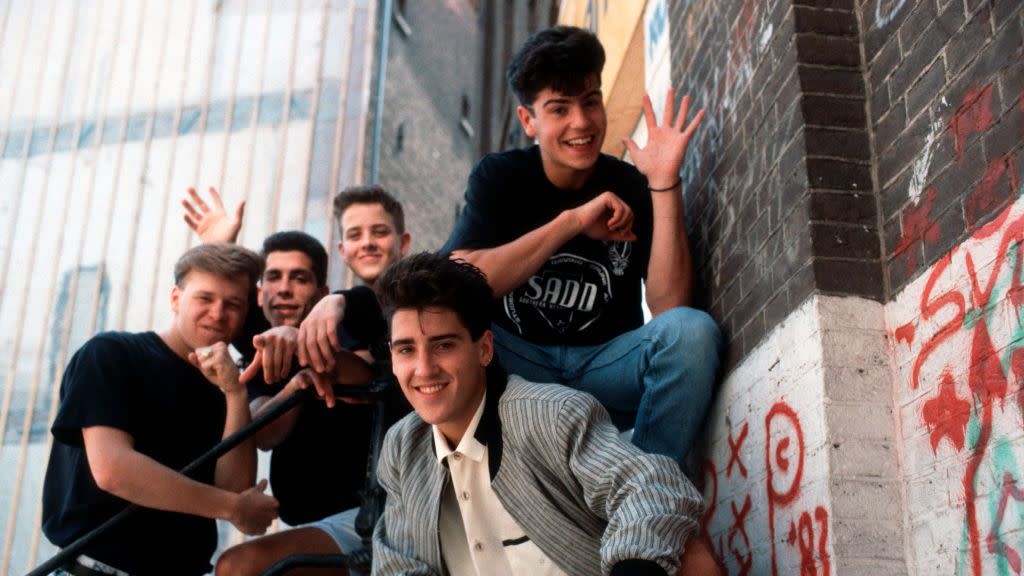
<point x="320" y="467"/>
<point x="135" y="383"/>
<point x="588" y="291"/>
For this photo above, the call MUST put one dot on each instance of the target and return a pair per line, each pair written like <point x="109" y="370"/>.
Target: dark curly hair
<point x="562" y="58"/>
<point x="298" y="241"/>
<point x="428" y="280"/>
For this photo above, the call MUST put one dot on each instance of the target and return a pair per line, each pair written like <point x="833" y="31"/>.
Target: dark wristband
<point x="672" y="187"/>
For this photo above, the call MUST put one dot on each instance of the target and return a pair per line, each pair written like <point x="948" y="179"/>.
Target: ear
<point x="341" y="249"/>
<point x="175" y="299"/>
<point x="526" y="119"/>
<point x="406" y="243"/>
<point x="259" y="296"/>
<point x="486" y="348"/>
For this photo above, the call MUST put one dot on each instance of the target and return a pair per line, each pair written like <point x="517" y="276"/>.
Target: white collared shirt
<point x="478" y="536"/>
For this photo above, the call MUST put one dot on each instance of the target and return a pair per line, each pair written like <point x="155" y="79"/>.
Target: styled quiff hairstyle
<point x="220" y="259"/>
<point x="369" y="195"/>
<point x="296" y="241"/>
<point x="562" y="58"/>
<point x="428" y="280"/>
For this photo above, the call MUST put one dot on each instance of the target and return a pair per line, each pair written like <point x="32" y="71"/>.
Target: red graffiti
<point x="779" y="414"/>
<point x="739" y="526"/>
<point x="973" y="116"/>
<point x="930" y="308"/>
<point x="995" y="544"/>
<point x="947" y="414"/>
<point x="734" y="452"/>
<point x="905" y="333"/>
<point x="802" y="536"/>
<point x="1017" y="367"/>
<point x="917" y="225"/>
<point x="709" y="513"/>
<point x="983" y="199"/>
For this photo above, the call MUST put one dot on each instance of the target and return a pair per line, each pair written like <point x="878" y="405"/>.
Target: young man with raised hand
<point x="500" y="476"/>
<point x="137" y="407"/>
<point x="567" y="236"/>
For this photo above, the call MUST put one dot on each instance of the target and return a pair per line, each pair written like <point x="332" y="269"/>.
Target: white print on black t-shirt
<point x="568" y="294"/>
<point x="618" y="255"/>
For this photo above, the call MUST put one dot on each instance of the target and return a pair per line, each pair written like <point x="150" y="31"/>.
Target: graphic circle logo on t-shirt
<point x="566" y="295"/>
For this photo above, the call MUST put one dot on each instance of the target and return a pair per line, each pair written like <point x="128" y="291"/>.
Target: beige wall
<point x="109" y="109"/>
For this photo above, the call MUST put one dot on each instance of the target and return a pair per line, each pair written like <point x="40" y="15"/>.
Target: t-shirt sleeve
<point x="477" y="225"/>
<point x="96" y="390"/>
<point x="363" y="324"/>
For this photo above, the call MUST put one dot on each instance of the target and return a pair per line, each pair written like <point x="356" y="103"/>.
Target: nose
<point x="578" y="117"/>
<point x="425" y="365"/>
<point x="216" y="310"/>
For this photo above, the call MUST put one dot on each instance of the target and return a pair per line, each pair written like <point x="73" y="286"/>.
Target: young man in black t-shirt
<point x="134" y="408"/>
<point x="566" y="235"/>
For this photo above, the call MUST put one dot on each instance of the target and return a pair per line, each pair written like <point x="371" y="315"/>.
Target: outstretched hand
<point x="663" y="155"/>
<point x="212" y="224"/>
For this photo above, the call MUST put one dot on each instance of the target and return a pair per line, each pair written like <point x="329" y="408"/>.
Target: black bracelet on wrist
<point x="672" y="187"/>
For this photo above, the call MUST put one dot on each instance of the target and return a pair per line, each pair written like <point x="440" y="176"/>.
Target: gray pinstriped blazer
<point x="592" y="502"/>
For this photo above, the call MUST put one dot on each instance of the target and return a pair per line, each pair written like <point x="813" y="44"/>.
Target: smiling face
<point x="288" y="290"/>
<point x="369" y="240"/>
<point x="569" y="130"/>
<point x="207" y="309"/>
<point x="441" y="369"/>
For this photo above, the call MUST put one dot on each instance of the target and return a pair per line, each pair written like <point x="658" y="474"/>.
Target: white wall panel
<point x="109" y="110"/>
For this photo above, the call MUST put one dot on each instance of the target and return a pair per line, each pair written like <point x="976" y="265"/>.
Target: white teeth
<point x="580" y="141"/>
<point x="431" y="389"/>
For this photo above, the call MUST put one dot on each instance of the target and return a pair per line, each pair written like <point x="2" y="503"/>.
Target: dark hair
<point x="428" y="280"/>
<point x="296" y="241"/>
<point x="562" y="58"/>
<point x="369" y="195"/>
<point x="219" y="259"/>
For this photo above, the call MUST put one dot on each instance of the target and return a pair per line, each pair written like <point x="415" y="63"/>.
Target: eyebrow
<point x="450" y="336"/>
<point x="566" y="99"/>
<point x="213" y="295"/>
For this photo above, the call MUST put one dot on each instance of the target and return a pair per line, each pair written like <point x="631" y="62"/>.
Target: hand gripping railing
<point x="372" y="392"/>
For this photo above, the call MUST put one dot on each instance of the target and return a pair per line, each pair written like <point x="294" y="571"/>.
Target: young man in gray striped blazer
<point x="496" y="475"/>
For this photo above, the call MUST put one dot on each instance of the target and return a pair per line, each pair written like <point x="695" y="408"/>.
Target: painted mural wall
<point x="958" y="344"/>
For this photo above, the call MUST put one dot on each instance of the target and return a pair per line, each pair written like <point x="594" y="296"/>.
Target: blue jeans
<point x="658" y="378"/>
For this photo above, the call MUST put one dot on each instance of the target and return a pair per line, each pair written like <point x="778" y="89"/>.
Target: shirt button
<point x="478" y="546"/>
<point x="457" y="455"/>
<point x="465" y="495"/>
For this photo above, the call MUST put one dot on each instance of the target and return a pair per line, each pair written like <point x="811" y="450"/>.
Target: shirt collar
<point x="469" y="446"/>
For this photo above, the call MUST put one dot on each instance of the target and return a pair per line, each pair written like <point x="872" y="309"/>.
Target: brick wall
<point x="779" y="190"/>
<point x="946" y="86"/>
<point x="854" y="205"/>
<point x="426" y="150"/>
<point x="946" y="82"/>
<point x="746" y="179"/>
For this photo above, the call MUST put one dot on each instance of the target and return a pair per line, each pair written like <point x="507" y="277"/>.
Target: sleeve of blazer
<point x="393" y="546"/>
<point x="652" y="509"/>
